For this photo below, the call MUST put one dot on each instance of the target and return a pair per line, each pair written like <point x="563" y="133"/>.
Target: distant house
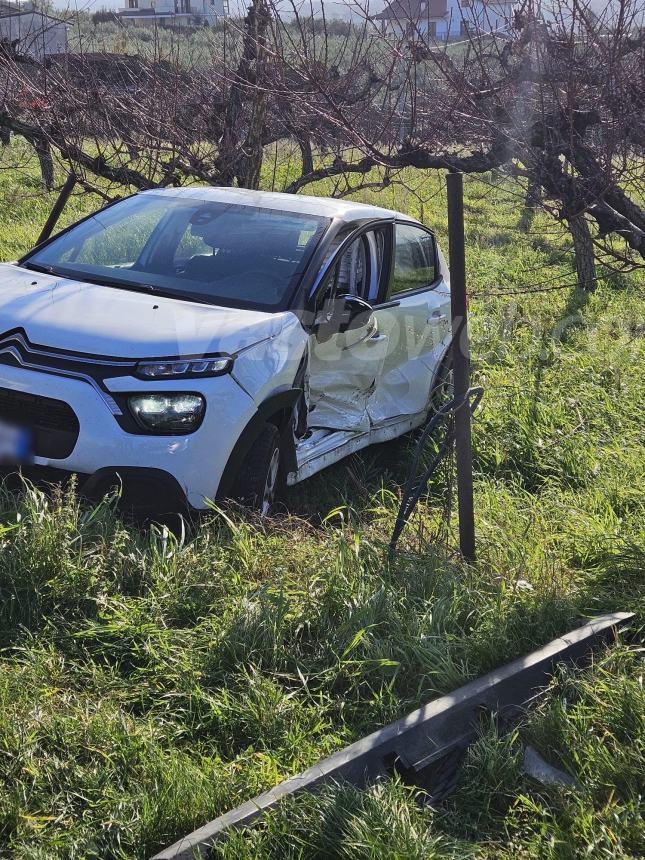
<point x="446" y="19"/>
<point x="173" y="13"/>
<point x="31" y="33"/>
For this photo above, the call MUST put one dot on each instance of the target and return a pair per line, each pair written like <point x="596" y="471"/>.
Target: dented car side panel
<point x="272" y="365"/>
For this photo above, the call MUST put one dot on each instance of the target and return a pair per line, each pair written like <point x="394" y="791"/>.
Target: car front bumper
<point x="189" y="466"/>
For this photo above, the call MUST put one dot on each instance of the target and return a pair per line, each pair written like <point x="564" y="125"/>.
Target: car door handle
<point x="368" y="339"/>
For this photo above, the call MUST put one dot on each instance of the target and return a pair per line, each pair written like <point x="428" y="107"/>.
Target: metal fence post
<point x="461" y="364"/>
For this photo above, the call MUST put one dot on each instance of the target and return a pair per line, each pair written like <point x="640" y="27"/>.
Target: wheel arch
<point x="277" y="409"/>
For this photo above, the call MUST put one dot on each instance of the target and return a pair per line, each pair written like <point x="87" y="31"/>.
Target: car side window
<point x="352" y="270"/>
<point x="414" y="259"/>
<point x="350" y="274"/>
<point x="191" y="245"/>
<point x="121" y="240"/>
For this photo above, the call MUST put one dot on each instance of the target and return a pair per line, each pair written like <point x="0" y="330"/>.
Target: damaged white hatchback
<point x="202" y="343"/>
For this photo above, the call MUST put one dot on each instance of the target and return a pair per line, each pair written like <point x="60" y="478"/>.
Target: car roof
<point x="345" y="210"/>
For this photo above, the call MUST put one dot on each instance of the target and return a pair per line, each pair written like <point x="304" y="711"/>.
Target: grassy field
<point x="148" y="683"/>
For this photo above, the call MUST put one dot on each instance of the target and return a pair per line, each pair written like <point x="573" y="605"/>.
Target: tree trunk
<point x="240" y="154"/>
<point x="304" y="142"/>
<point x="44" y="153"/>
<point x="583" y="253"/>
<point x="531" y="200"/>
<point x="249" y="176"/>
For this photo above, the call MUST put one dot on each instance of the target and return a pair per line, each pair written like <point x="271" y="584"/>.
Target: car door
<point x="344" y="367"/>
<point x="414" y="318"/>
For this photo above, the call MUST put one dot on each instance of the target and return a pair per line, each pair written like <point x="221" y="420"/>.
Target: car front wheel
<point x="259" y="481"/>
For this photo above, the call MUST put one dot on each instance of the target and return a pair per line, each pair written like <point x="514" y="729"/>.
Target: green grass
<point x="148" y="684"/>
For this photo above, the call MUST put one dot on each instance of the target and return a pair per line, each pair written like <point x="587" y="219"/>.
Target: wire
<point x="415" y="484"/>
<point x="483" y="294"/>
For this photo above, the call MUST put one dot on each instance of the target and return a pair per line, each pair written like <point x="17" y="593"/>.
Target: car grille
<point x="54" y="424"/>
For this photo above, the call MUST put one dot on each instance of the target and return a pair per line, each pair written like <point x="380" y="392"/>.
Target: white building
<point x="446" y="19"/>
<point x="173" y="13"/>
<point x="31" y="33"/>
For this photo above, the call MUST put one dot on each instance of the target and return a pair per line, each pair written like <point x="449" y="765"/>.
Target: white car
<point x="201" y="343"/>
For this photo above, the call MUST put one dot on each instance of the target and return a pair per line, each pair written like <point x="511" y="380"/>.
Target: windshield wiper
<point x="46" y="270"/>
<point x="114" y="282"/>
<point x="123" y="284"/>
<point x="70" y="274"/>
<point x="164" y="292"/>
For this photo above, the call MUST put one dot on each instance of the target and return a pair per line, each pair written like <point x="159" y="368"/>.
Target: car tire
<point x="259" y="482"/>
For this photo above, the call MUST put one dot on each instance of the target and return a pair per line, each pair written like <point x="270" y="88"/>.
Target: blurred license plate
<point x="15" y="444"/>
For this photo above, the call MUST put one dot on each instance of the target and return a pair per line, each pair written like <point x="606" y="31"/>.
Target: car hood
<point x="78" y="317"/>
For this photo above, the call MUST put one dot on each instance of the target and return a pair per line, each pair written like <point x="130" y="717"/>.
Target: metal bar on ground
<point x="421" y="740"/>
<point x="461" y="363"/>
<point x="57" y="208"/>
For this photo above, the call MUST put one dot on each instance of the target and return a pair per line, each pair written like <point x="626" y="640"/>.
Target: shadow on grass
<point x="351" y="483"/>
<point x="358" y="481"/>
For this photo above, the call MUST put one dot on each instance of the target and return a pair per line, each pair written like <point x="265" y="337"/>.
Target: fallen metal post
<point x="57" y="208"/>
<point x="461" y="363"/>
<point x="417" y="745"/>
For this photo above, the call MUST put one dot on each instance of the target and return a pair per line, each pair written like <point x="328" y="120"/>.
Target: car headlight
<point x="184" y="367"/>
<point x="167" y="413"/>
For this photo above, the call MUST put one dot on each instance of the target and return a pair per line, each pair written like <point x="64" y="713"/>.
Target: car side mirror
<point x="355" y="313"/>
<point x="344" y="313"/>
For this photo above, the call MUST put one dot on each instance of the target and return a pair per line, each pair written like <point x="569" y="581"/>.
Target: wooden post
<point x="57" y="208"/>
<point x="461" y="364"/>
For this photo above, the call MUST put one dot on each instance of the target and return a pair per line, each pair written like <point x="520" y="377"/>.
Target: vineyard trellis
<point x="557" y="106"/>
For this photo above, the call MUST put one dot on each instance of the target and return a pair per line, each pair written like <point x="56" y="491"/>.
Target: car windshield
<point x="220" y="253"/>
